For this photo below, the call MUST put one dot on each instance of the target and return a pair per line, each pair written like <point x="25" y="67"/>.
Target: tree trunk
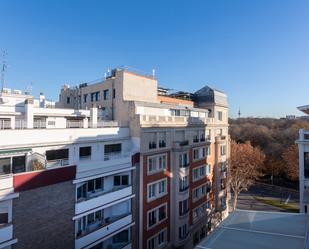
<point x="235" y="200"/>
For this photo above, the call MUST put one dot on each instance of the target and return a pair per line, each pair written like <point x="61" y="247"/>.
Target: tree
<point x="244" y="167"/>
<point x="290" y="157"/>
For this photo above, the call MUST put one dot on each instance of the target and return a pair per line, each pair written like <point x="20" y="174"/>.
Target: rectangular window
<point x="195" y="154"/>
<point x="97" y="96"/>
<point x="68" y="100"/>
<point x="161" y="238"/>
<point x="151" y="243"/>
<point x="156" y="164"/>
<point x="85" y="98"/>
<point x="92" y="97"/>
<point x="121" y="180"/>
<point x="183" y="207"/>
<point x="157" y="215"/>
<point x="5" y="165"/>
<point x="114" y="93"/>
<point x="4" y="218"/>
<point x="220" y="116"/>
<point x="157" y="189"/>
<point x="106" y="94"/>
<point x="85" y="152"/>
<point x="112" y="148"/>
<point x="222" y="150"/>
<point x="52" y="155"/>
<point x="306" y="164"/>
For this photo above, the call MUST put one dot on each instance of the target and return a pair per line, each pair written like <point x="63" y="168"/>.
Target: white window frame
<point x="156" y="163"/>
<point x="199" y="175"/>
<point x="200" y="192"/>
<point x="156" y="239"/>
<point x="156" y="189"/>
<point x="156" y="210"/>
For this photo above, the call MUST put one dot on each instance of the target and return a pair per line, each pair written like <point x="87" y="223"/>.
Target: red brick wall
<point x="165" y="199"/>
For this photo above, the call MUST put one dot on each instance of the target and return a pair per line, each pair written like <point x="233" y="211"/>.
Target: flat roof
<point x="245" y="229"/>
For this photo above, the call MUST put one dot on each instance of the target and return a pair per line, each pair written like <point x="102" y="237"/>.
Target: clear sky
<point x="257" y="51"/>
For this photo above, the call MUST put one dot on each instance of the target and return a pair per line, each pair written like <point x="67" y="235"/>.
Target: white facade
<point x="48" y="138"/>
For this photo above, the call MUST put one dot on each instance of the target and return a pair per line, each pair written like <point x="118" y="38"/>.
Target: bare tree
<point x="245" y="163"/>
<point x="290" y="157"/>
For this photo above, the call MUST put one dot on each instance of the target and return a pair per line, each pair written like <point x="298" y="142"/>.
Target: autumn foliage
<point x="245" y="164"/>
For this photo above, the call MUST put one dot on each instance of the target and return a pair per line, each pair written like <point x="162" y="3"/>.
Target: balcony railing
<point x="75" y="124"/>
<point x="39" y="124"/>
<point x="183" y="188"/>
<point x="98" y="225"/>
<point x="115" y="155"/>
<point x="57" y="163"/>
<point x="5" y="124"/>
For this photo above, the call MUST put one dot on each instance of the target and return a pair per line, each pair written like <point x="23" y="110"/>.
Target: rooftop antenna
<point x="239" y="114"/>
<point x="3" y="69"/>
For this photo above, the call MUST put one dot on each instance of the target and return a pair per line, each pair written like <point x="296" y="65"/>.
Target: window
<point x="156" y="164"/>
<point x="161" y="238"/>
<point x="16" y="164"/>
<point x="151" y="243"/>
<point x="112" y="148"/>
<point x="106" y="94"/>
<point x="306" y="164"/>
<point x="183" y="207"/>
<point x="199" y="173"/>
<point x="68" y="100"/>
<point x="157" y="189"/>
<point x="5" y="165"/>
<point x="52" y="155"/>
<point x="121" y="237"/>
<point x="157" y="241"/>
<point x="4" y="218"/>
<point x="222" y="150"/>
<point x="195" y="154"/>
<point x="199" y="192"/>
<point x="183" y="183"/>
<point x="200" y="211"/>
<point x="97" y="96"/>
<point x="183" y="160"/>
<point x="157" y="215"/>
<point x="208" y="134"/>
<point x="183" y="231"/>
<point x="162" y="139"/>
<point x="114" y="93"/>
<point x="88" y="188"/>
<point x="85" y="98"/>
<point x="220" y="116"/>
<point x="121" y="180"/>
<point x="85" y="152"/>
<point x="208" y="169"/>
<point x="208" y="151"/>
<point x="92" y="95"/>
<point x="152" y="218"/>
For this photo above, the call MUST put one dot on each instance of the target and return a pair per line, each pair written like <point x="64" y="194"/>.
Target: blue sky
<point x="256" y="51"/>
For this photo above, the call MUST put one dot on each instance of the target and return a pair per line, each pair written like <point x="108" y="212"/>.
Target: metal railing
<point x="57" y="163"/>
<point x="115" y="155"/>
<point x="39" y="124"/>
<point x="75" y="124"/>
<point x="5" y="124"/>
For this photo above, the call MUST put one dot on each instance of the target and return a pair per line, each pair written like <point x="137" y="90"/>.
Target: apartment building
<point x="303" y="148"/>
<point x="183" y="141"/>
<point x="66" y="180"/>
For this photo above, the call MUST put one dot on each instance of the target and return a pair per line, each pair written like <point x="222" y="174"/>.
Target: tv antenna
<point x="3" y="69"/>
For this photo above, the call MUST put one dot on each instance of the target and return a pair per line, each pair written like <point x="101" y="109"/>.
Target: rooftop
<point x="259" y="230"/>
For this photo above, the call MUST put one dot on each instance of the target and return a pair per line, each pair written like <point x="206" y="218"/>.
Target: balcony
<point x="116" y="193"/>
<point x="116" y="155"/>
<point x="6" y="232"/>
<point x="107" y="227"/>
<point x="165" y="121"/>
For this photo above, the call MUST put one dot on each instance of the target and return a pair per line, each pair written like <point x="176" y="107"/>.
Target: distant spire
<point x="239" y="114"/>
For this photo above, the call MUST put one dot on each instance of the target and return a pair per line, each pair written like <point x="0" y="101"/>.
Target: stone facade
<point x="43" y="217"/>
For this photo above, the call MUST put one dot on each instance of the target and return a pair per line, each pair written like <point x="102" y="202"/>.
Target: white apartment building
<point x="66" y="179"/>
